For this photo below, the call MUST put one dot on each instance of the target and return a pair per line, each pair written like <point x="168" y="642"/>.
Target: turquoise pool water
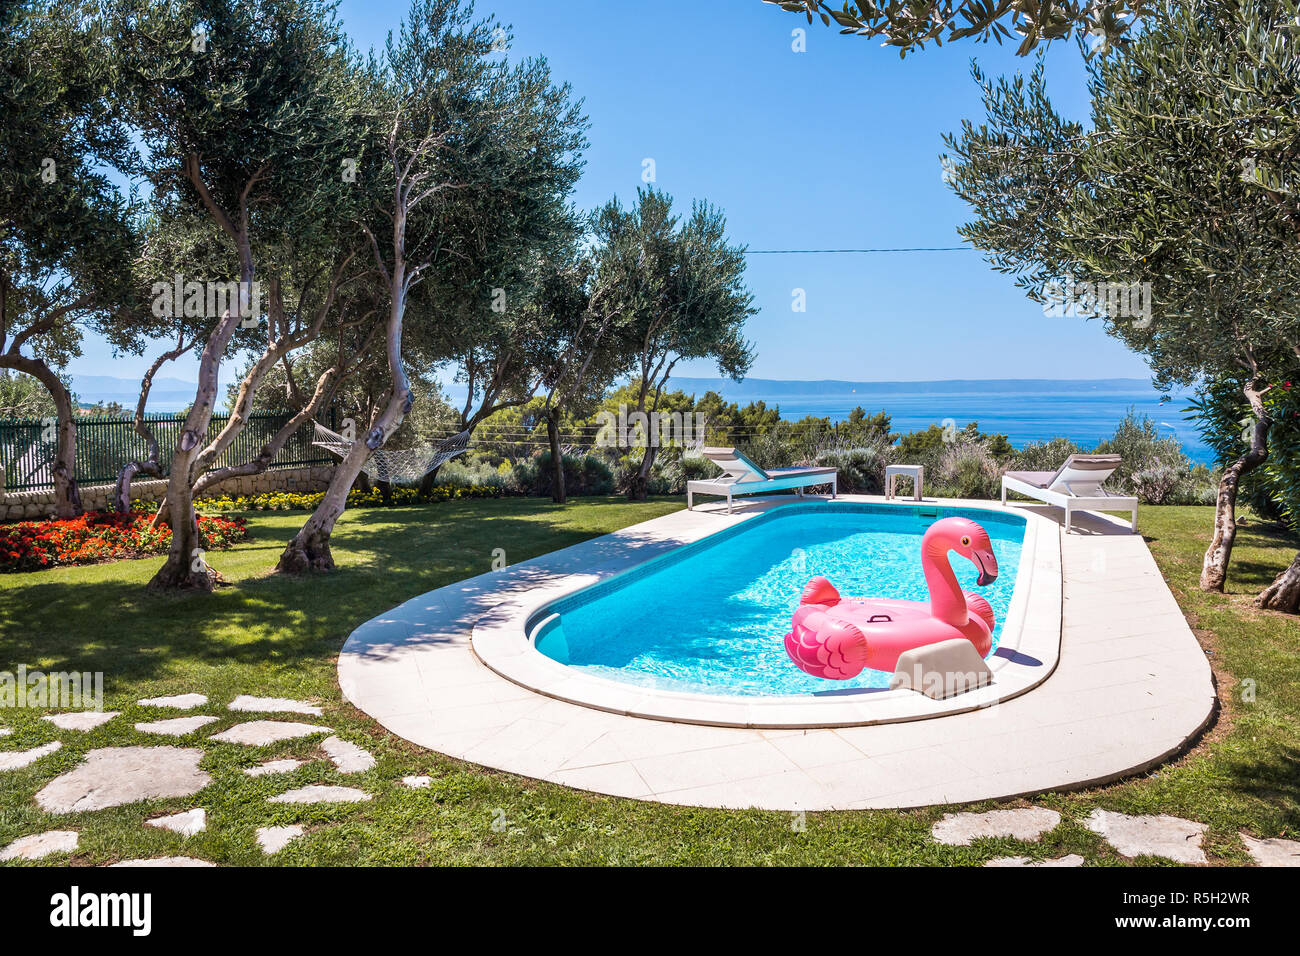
<point x="712" y="617"/>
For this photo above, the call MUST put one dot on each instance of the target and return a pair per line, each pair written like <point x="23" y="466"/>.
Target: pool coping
<point x="1132" y="689"/>
<point x="503" y="640"/>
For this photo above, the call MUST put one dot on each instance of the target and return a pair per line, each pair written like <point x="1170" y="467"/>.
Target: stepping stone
<point x="319" y="793"/>
<point x="1272" y="852"/>
<point x="1170" y="837"/>
<point x="17" y="759"/>
<point x="113" y="776"/>
<point x="418" y="783"/>
<point x="85" y="720"/>
<point x="41" y="845"/>
<point x="1072" y="860"/>
<point x="1025" y="823"/>
<point x="275" y="839"/>
<point x="176" y="726"/>
<point x="5" y="731"/>
<point x="259" y="733"/>
<point x="347" y="757"/>
<point x="161" y="861"/>
<point x="274" y="766"/>
<point x="274" y="705"/>
<point x="186" y="824"/>
<point x="179" y="701"/>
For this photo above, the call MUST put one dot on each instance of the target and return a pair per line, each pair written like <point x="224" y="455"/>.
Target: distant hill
<point x="771" y="388"/>
<point x="166" y="395"/>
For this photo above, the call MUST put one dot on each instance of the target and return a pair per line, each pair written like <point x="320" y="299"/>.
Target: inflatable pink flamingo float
<point x="836" y="637"/>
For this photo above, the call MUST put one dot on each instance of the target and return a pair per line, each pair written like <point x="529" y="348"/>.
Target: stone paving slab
<point x="177" y="701"/>
<point x="17" y="759"/>
<point x="260" y="733"/>
<point x="321" y="793"/>
<point x="83" y="720"/>
<point x="273" y="705"/>
<point x="187" y="824"/>
<point x="113" y="776"/>
<point x="1022" y="823"/>
<point x="274" y="766"/>
<point x="347" y="757"/>
<point x="1072" y="859"/>
<point x="40" y="845"/>
<point x="1104" y="713"/>
<point x="176" y="726"/>
<point x="1165" y="836"/>
<point x="166" y="862"/>
<point x="274" y="839"/>
<point x="1272" y="852"/>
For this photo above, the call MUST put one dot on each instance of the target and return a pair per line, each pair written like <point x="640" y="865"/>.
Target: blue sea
<point x="1025" y="412"/>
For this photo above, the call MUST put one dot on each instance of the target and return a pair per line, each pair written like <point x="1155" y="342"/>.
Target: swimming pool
<point x="710" y="617"/>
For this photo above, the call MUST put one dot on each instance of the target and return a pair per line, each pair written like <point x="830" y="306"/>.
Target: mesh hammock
<point x="403" y="466"/>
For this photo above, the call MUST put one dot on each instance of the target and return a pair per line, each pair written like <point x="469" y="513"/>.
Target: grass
<point x="268" y="635"/>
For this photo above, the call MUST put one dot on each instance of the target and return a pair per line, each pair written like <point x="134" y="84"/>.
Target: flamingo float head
<point x="969" y="540"/>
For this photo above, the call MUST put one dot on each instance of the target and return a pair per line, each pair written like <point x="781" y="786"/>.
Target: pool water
<point x="712" y="617"/>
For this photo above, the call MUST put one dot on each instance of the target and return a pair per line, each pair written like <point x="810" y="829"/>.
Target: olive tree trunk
<point x="185" y="568"/>
<point x="557" y="458"/>
<point x="67" y="499"/>
<point x="1214" y="569"/>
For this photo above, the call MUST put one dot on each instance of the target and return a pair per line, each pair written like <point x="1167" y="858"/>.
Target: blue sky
<point x="834" y="147"/>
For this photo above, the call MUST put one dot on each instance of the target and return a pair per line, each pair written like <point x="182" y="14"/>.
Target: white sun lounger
<point x="740" y="476"/>
<point x="1075" y="486"/>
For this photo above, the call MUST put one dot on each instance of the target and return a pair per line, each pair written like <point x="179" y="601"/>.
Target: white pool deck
<point x="1131" y="688"/>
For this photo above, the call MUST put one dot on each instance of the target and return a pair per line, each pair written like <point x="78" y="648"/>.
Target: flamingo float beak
<point x="987" y="564"/>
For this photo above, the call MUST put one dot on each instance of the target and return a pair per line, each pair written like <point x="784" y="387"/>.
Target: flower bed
<point x="291" y="501"/>
<point x="101" y="536"/>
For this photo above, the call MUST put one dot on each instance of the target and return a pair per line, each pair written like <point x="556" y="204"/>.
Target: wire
<point x="822" y="252"/>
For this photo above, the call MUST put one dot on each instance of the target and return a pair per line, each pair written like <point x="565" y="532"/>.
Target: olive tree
<point x="1178" y="187"/>
<point x="679" y="289"/>
<point x="244" y="110"/>
<point x="475" y="157"/>
<point x="67" y="233"/>
<point x="909" y="26"/>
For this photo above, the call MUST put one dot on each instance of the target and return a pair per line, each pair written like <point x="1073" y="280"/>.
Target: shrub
<point x="1156" y="485"/>
<point x="1140" y="448"/>
<point x="101" y="536"/>
<point x="583" y="475"/>
<point x="969" y="470"/>
<point x="1044" y="455"/>
<point x="292" y="501"/>
<point x="861" y="469"/>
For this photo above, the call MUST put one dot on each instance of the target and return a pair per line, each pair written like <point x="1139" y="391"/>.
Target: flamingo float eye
<point x="965" y="541"/>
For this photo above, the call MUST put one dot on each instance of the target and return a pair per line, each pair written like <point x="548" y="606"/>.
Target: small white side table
<point x="917" y="473"/>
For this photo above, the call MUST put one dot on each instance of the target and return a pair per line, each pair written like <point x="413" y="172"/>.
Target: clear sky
<point x="835" y="147"/>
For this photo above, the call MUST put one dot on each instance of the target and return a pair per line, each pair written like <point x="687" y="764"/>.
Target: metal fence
<point x="105" y="445"/>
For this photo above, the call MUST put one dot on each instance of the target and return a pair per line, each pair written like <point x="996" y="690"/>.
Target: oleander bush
<point x="101" y="536"/>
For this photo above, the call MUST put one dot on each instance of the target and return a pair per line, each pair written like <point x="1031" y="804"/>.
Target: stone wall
<point x="26" y="505"/>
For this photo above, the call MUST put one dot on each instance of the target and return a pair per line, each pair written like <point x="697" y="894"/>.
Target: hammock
<point x="403" y="466"/>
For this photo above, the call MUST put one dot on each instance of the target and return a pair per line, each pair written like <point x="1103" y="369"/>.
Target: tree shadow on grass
<point x="386" y="557"/>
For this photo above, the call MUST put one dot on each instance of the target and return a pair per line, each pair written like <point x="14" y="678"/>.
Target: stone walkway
<point x="1132" y="688"/>
<point x="117" y="776"/>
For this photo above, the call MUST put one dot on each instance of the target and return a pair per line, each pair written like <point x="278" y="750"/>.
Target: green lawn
<point x="266" y="635"/>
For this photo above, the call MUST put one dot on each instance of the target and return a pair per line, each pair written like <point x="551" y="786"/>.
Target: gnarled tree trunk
<point x="150" y="465"/>
<point x="310" y="548"/>
<point x="1214" y="569"/>
<point x="1284" y="593"/>
<point x="67" y="499"/>
<point x="185" y="568"/>
<point x="557" y="457"/>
